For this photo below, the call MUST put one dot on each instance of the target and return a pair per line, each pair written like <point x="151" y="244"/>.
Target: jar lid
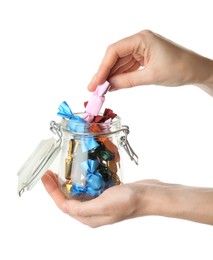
<point x="38" y="162"/>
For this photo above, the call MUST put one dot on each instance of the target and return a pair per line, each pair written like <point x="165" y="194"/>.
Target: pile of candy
<point x="92" y="162"/>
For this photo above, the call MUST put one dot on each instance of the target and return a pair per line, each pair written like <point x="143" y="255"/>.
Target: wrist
<point x="176" y="201"/>
<point x="202" y="73"/>
<point x="156" y="198"/>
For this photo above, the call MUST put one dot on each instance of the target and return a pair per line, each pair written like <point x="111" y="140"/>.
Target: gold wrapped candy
<point x="68" y="185"/>
<point x="73" y="144"/>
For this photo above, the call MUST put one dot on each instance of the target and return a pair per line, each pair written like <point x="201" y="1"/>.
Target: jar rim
<point x="83" y="128"/>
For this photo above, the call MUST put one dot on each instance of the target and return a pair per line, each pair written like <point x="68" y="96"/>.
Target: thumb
<point x="131" y="79"/>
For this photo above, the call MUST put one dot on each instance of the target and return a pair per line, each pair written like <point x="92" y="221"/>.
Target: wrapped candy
<point x="89" y="144"/>
<point x="96" y="101"/>
<point x="76" y="124"/>
<point x="96" y="175"/>
<point x="73" y="144"/>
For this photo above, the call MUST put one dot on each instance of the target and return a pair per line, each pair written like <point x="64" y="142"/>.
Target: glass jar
<point x="90" y="159"/>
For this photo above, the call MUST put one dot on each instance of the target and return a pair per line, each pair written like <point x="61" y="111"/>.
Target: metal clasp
<point x="56" y="129"/>
<point x="125" y="144"/>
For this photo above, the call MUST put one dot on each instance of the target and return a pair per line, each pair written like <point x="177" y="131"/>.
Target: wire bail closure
<point x="125" y="144"/>
<point x="56" y="129"/>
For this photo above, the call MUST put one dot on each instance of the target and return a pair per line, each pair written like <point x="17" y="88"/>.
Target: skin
<point x="143" y="59"/>
<point x="148" y="58"/>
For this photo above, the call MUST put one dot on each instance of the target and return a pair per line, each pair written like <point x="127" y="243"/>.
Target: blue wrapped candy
<point x="77" y="124"/>
<point x="66" y="112"/>
<point x="90" y="166"/>
<point x="77" y="190"/>
<point x="94" y="181"/>
<point x="94" y="178"/>
<point x="88" y="143"/>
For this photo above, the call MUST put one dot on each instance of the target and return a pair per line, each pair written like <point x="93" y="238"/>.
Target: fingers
<point x="50" y="183"/>
<point x="95" y="222"/>
<point x="131" y="65"/>
<point x="122" y="62"/>
<point x="90" y="208"/>
<point x="91" y="213"/>
<point x="123" y="50"/>
<point x="130" y="79"/>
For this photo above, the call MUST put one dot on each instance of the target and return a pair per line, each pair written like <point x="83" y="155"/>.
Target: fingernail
<point x="91" y="84"/>
<point x="93" y="79"/>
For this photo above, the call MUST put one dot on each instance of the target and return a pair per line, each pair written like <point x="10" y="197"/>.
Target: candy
<point x="108" y="115"/>
<point x="113" y="149"/>
<point x="95" y="102"/>
<point x="77" y="190"/>
<point x="95" y="128"/>
<point x="91" y="164"/>
<point x="116" y="179"/>
<point x="68" y="185"/>
<point x="66" y="112"/>
<point x="112" y="166"/>
<point x="95" y="181"/>
<point x="88" y="143"/>
<point x="106" y="155"/>
<point x="101" y="153"/>
<point x="73" y="144"/>
<point x="104" y="171"/>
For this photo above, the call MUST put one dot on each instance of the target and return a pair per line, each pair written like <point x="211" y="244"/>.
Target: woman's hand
<point x="142" y="198"/>
<point x="113" y="205"/>
<point x="147" y="58"/>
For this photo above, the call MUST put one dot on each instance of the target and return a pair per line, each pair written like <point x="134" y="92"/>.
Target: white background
<point x="49" y="51"/>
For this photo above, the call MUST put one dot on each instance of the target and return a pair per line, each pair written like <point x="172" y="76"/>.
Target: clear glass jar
<point x="90" y="158"/>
